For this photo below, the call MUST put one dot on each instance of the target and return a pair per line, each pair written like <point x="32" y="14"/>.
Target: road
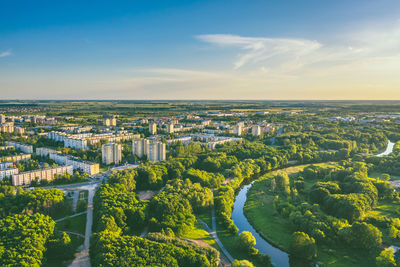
<point x="82" y="258"/>
<point x="213" y="233"/>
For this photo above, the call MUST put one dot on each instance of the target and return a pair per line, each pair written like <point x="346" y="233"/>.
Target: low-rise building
<point x="26" y="178"/>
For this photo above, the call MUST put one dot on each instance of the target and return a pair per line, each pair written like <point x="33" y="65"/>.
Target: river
<point x="389" y="149"/>
<point x="278" y="257"/>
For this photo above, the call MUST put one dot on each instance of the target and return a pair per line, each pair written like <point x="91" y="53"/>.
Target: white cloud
<point x="272" y="51"/>
<point x="5" y="54"/>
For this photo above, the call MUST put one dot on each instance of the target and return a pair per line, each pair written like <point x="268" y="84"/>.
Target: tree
<point x="242" y="263"/>
<point x="302" y="246"/>
<point x="385" y="177"/>
<point x="283" y="182"/>
<point x="246" y="241"/>
<point x="366" y="235"/>
<point x="386" y="258"/>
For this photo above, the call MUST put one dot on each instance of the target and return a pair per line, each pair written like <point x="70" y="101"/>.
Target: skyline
<point x="200" y="50"/>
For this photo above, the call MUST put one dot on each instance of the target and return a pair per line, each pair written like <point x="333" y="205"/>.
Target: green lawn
<point x="199" y="233"/>
<point x="76" y="224"/>
<point x="206" y="217"/>
<point x="83" y="194"/>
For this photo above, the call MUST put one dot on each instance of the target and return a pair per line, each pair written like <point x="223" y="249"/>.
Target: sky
<point x="187" y="49"/>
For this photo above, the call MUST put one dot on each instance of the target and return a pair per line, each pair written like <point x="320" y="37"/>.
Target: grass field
<point x="76" y="224"/>
<point x="199" y="233"/>
<point x="378" y="174"/>
<point x="206" y="217"/>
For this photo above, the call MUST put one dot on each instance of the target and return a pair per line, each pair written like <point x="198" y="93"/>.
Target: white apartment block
<point x="2" y="118"/>
<point x="88" y="167"/>
<point x="170" y="128"/>
<point x="81" y="141"/>
<point x="110" y="122"/>
<point x="7" y="173"/>
<point x="155" y="151"/>
<point x="19" y="130"/>
<point x="152" y="128"/>
<point x="256" y="130"/>
<point x="25" y="178"/>
<point x="23" y="147"/>
<point x="238" y="129"/>
<point x="13" y="159"/>
<point x="75" y="143"/>
<point x="6" y="147"/>
<point x="7" y="127"/>
<point x="111" y="153"/>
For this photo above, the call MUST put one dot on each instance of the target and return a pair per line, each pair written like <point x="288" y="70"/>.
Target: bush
<point x="302" y="246"/>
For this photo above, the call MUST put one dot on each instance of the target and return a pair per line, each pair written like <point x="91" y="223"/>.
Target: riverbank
<point x="277" y="230"/>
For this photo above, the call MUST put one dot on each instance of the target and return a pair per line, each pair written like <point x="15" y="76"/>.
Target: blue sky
<point x="200" y="49"/>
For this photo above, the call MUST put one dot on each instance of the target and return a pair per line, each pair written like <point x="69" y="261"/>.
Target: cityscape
<point x="200" y="133"/>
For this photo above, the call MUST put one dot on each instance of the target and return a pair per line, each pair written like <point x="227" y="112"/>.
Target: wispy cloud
<point x="260" y="49"/>
<point x="5" y="53"/>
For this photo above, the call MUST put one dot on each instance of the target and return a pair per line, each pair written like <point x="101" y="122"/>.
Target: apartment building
<point x="170" y="128"/>
<point x="256" y="130"/>
<point x="82" y="140"/>
<point x="2" y="118"/>
<point x="88" y="167"/>
<point x="25" y="178"/>
<point x="6" y="147"/>
<point x="21" y="146"/>
<point x="7" y="173"/>
<point x="19" y="130"/>
<point x="111" y="153"/>
<point x="110" y="122"/>
<point x="15" y="158"/>
<point x="157" y="151"/>
<point x="154" y="150"/>
<point x="152" y="128"/>
<point x="7" y="127"/>
<point x="238" y="129"/>
<point x="75" y="143"/>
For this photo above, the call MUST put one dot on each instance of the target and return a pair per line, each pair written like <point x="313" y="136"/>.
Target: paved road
<point x="213" y="233"/>
<point x="82" y="258"/>
<point x="71" y="216"/>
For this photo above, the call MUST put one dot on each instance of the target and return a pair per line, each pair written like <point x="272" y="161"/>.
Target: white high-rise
<point x="256" y="130"/>
<point x="152" y="128"/>
<point x="170" y="128"/>
<point x="2" y="118"/>
<point x="155" y="151"/>
<point x="111" y="153"/>
<point x="238" y="129"/>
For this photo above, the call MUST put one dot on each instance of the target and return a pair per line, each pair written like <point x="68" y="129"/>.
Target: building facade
<point x="7" y="173"/>
<point x="154" y="150"/>
<point x="152" y="128"/>
<point x="111" y="153"/>
<point x="26" y="178"/>
<point x="23" y="147"/>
